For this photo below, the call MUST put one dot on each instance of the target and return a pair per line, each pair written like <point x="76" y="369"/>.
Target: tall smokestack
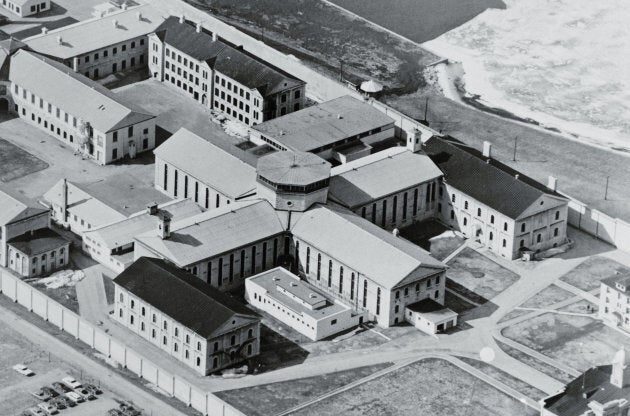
<point x="487" y="149"/>
<point x="553" y="183"/>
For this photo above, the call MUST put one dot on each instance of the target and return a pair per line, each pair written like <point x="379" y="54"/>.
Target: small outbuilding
<point x="430" y="316"/>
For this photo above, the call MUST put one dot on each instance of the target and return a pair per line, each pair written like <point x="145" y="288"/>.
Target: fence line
<point x="66" y="320"/>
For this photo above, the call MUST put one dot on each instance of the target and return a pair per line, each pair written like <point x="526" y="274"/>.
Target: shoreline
<point x="449" y="78"/>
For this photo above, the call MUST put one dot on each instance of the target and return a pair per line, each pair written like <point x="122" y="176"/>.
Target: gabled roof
<point x="122" y="232"/>
<point x="12" y="210"/>
<point x="215" y="232"/>
<point x="383" y="173"/>
<point x="623" y="279"/>
<point x="490" y="182"/>
<point x="73" y="93"/>
<point x="38" y="242"/>
<point x="208" y="163"/>
<point x="97" y="33"/>
<point x="592" y="386"/>
<point x="363" y="246"/>
<point x="324" y="124"/>
<point x="182" y="296"/>
<point x="235" y="63"/>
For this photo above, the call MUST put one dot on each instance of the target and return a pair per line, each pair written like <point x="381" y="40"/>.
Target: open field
<point x="434" y="237"/>
<point x="536" y="363"/>
<point x="587" y="275"/>
<point x="477" y="277"/>
<point x="547" y="297"/>
<point x="576" y="341"/>
<point x="269" y="399"/>
<point x="16" y="162"/>
<point x="428" y="387"/>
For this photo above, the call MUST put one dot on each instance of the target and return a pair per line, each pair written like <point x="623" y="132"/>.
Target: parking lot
<point x="16" y="389"/>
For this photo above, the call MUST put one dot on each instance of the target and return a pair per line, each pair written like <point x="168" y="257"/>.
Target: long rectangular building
<point x="78" y="111"/>
<point x="220" y="76"/>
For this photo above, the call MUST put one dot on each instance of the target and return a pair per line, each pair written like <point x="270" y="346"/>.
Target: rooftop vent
<point x="215" y="37"/>
<point x="339" y="116"/>
<point x="293" y="284"/>
<point x="115" y="23"/>
<point x="59" y="40"/>
<point x="487" y="149"/>
<point x="312" y="295"/>
<point x="516" y="176"/>
<point x="139" y="16"/>
<point x="276" y="279"/>
<point x="198" y="27"/>
<point x="44" y="30"/>
<point x="152" y="208"/>
<point x="182" y="18"/>
<point x="552" y="184"/>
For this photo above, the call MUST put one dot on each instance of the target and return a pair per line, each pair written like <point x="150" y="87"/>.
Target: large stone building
<point x="24" y="8"/>
<point x="489" y="202"/>
<point x="27" y="245"/>
<point x="8" y="46"/>
<point x="220" y="76"/>
<point x="189" y="166"/>
<point x="600" y="391"/>
<point x="202" y="327"/>
<point x="104" y="45"/>
<point x="78" y="111"/>
<point x="614" y="301"/>
<point x="341" y="129"/>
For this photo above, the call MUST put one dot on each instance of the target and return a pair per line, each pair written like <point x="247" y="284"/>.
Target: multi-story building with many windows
<point x="220" y="76"/>
<point x="24" y="8"/>
<point x="78" y="111"/>
<point x="101" y="46"/>
<point x="202" y="327"/>
<point x="614" y="301"/>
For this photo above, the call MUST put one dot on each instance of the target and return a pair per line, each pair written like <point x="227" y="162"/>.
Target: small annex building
<point x="200" y="326"/>
<point x="430" y="316"/>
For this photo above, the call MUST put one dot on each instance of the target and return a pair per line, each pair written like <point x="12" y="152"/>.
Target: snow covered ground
<point x="563" y="63"/>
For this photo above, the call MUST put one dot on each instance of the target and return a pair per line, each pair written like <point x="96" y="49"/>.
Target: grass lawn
<point x="16" y="162"/>
<point x="536" y="363"/>
<point x="548" y="296"/>
<point x="428" y="387"/>
<point x="109" y="290"/>
<point x="67" y="296"/>
<point x="477" y="277"/>
<point x="576" y="341"/>
<point x="433" y="236"/>
<point x="269" y="399"/>
<point x="507" y="379"/>
<point x="581" y="307"/>
<point x="587" y="275"/>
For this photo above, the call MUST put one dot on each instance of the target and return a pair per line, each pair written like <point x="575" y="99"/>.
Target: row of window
<point x="196" y="195"/>
<point x="415" y="206"/>
<point x="289" y="312"/>
<point x="105" y="52"/>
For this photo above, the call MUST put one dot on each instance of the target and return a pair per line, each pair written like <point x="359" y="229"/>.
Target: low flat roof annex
<point x="97" y="33"/>
<point x="432" y="310"/>
<point x="37" y="242"/>
<point x="383" y="173"/>
<point x="182" y="296"/>
<point x="324" y="124"/>
<point x="378" y="254"/>
<point x="271" y="279"/>
<point x="208" y="163"/>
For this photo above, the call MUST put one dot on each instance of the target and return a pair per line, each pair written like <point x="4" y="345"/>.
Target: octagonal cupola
<point x="293" y="181"/>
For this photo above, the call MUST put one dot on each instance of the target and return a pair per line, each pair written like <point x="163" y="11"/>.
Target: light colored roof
<point x="293" y="168"/>
<point x="122" y="232"/>
<point x="94" y="34"/>
<point x="215" y="232"/>
<point x="280" y="277"/>
<point x="380" y="174"/>
<point x="12" y="210"/>
<point x="371" y="86"/>
<point x="208" y="163"/>
<point x="363" y="246"/>
<point x="324" y="124"/>
<point x="73" y="93"/>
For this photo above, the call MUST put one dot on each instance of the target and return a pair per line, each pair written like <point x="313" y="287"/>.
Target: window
<point x="319" y="266"/>
<point x="297" y="94"/>
<point x="165" y="325"/>
<point x="142" y="311"/>
<point x="505" y="226"/>
<point x="352" y="286"/>
<point x="153" y="318"/>
<point x="378" y="299"/>
<point x="198" y="346"/>
<point x="453" y="198"/>
<point x="465" y="204"/>
<point x="308" y="259"/>
<point x="340" y="279"/>
<point x="539" y="238"/>
<point x="491" y="219"/>
<point x="479" y="212"/>
<point x="523" y="227"/>
<point x="557" y="215"/>
<point x="555" y="232"/>
<point x="504" y="243"/>
<point x="365" y="289"/>
<point x="330" y="267"/>
<point x="397" y="294"/>
<point x="233" y="340"/>
<point x="130" y="131"/>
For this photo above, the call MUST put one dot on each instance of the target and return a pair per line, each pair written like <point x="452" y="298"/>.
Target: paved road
<point x="110" y="379"/>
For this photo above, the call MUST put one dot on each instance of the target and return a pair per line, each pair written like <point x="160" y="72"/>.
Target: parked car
<point x="60" y="387"/>
<point x="50" y="391"/>
<point x="129" y="410"/>
<point x="59" y="403"/>
<point x="24" y="370"/>
<point x="65" y="400"/>
<point x="71" y="382"/>
<point x="41" y="394"/>
<point x="93" y="389"/>
<point x="114" y="412"/>
<point x="74" y="397"/>
<point x="48" y="408"/>
<point x="36" y="411"/>
<point x="83" y="392"/>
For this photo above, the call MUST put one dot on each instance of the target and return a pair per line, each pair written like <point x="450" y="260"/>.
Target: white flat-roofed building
<point x="205" y="329"/>
<point x="614" y="301"/>
<point x="323" y="128"/>
<point x="430" y="316"/>
<point x="104" y="45"/>
<point x="189" y="166"/>
<point x="112" y="244"/>
<point x="24" y="8"/>
<point x="391" y="188"/>
<point x="298" y="304"/>
<point x="220" y="76"/>
<point x="78" y="111"/>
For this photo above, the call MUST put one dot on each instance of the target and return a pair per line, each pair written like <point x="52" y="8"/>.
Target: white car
<point x="24" y="370"/>
<point x="75" y="397"/>
<point x="48" y="408"/>
<point x="71" y="382"/>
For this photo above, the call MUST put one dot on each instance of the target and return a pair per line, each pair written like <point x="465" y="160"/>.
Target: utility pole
<point x="341" y="70"/>
<point x="606" y="191"/>
<point x="515" y="143"/>
<point x="262" y="34"/>
<point x="426" y="108"/>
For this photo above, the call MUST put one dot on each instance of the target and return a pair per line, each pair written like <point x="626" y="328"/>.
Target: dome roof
<point x="371" y="86"/>
<point x="293" y="168"/>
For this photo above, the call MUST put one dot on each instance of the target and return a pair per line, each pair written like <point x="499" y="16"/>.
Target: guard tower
<point x="293" y="181"/>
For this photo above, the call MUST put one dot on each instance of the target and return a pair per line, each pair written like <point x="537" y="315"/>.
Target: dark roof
<point x="223" y="57"/>
<point x="40" y="241"/>
<point x="593" y="385"/>
<point x="612" y="281"/>
<point x="425" y="306"/>
<point x="487" y="180"/>
<point x="180" y="295"/>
